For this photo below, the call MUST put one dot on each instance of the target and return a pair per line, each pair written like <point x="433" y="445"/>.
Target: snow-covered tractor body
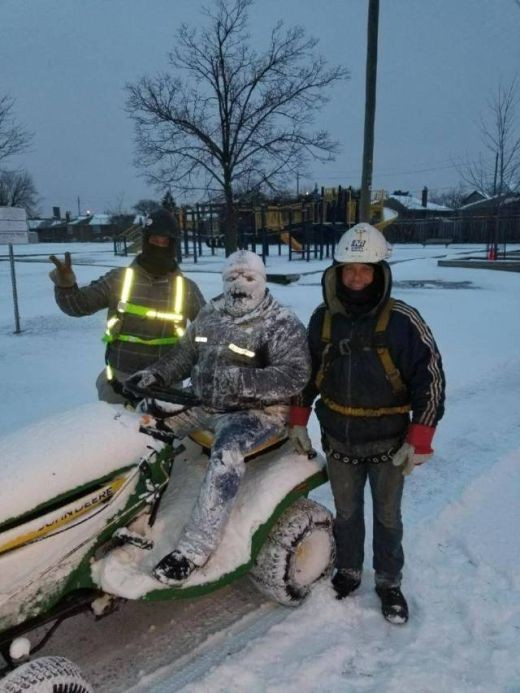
<point x="90" y="504"/>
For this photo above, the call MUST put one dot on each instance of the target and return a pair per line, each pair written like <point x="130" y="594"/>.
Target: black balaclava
<point x="153" y="258"/>
<point x="363" y="301"/>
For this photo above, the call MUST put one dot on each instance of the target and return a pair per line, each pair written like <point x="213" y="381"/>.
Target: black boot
<point x="393" y="604"/>
<point x="345" y="581"/>
<point x="173" y="568"/>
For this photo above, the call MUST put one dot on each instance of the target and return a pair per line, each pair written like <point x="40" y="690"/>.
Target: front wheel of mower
<point x="46" y="675"/>
<point x="298" y="552"/>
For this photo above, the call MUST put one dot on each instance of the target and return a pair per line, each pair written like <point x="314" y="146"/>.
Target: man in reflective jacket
<point x="247" y="355"/>
<point x="374" y="362"/>
<point x="149" y="304"/>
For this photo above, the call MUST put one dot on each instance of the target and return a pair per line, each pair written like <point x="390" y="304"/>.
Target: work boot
<point x="393" y="604"/>
<point x="173" y="568"/>
<point x="345" y="581"/>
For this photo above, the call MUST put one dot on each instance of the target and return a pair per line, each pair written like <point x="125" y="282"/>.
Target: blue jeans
<point x="386" y="484"/>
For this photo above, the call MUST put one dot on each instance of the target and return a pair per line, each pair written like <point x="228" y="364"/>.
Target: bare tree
<point x="145" y="206"/>
<point x="17" y="189"/>
<point x="14" y="139"/>
<point x="237" y="114"/>
<point x="497" y="171"/>
<point x="452" y="197"/>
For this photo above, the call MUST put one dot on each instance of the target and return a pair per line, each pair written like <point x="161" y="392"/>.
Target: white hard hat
<point x="362" y="243"/>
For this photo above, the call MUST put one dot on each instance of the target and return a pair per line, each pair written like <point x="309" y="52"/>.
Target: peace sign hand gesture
<point x="62" y="275"/>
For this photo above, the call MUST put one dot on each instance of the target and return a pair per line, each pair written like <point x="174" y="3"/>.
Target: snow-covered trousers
<point x="235" y="435"/>
<point x="386" y="484"/>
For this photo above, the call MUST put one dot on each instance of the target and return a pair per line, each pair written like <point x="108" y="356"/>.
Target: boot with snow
<point x="173" y="568"/>
<point x="393" y="604"/>
<point x="345" y="581"/>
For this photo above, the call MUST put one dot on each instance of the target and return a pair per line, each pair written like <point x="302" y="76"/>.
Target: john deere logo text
<point x="357" y="246"/>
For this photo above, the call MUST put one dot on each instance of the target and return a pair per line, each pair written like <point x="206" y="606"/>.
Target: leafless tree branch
<point x="227" y="113"/>
<point x="496" y="170"/>
<point x="17" y="189"/>
<point x="14" y="139"/>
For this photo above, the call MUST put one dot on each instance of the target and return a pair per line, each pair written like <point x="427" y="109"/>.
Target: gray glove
<point x="300" y="439"/>
<point x="63" y="275"/>
<point x="408" y="458"/>
<point x="142" y="380"/>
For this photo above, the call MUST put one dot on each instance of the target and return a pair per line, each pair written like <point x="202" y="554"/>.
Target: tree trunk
<point x="230" y="221"/>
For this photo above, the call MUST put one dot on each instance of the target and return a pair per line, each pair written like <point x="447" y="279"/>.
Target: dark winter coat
<point x="246" y="362"/>
<point x="355" y="377"/>
<point x="147" y="290"/>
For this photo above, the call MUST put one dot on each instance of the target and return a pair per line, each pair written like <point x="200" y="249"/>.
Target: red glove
<point x="421" y="436"/>
<point x="416" y="449"/>
<point x="299" y="416"/>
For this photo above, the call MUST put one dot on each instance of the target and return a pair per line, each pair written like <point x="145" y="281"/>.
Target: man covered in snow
<point x="247" y="355"/>
<point x="149" y="304"/>
<point x="374" y="362"/>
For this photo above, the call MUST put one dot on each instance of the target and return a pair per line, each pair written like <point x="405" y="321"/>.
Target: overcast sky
<point x="66" y="63"/>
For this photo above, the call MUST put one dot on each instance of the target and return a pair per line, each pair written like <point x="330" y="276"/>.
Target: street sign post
<point x="14" y="229"/>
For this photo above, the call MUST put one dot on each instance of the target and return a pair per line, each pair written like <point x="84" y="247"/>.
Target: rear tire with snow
<point x="298" y="552"/>
<point x="46" y="675"/>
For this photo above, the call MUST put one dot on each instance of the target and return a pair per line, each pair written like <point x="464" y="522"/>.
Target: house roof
<point x="410" y="202"/>
<point x="91" y="220"/>
<point x="503" y="200"/>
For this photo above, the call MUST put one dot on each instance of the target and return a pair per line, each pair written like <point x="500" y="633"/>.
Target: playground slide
<point x="294" y="243"/>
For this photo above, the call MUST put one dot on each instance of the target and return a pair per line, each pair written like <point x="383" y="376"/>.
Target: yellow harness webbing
<point x="392" y="373"/>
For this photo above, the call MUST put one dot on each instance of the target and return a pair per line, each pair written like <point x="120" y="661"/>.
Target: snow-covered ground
<point x="461" y="510"/>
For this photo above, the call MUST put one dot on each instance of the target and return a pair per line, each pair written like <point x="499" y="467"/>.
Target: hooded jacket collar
<point x="333" y="302"/>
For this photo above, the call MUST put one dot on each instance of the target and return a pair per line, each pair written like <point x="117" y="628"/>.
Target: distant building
<point x="89" y="227"/>
<point x="475" y="196"/>
<point x="409" y="207"/>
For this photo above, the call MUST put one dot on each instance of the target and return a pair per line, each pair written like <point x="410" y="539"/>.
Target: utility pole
<point x="79" y="207"/>
<point x="297" y="184"/>
<point x="370" y="110"/>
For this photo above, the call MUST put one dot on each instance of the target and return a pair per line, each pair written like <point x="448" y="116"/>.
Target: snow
<point x="461" y="510"/>
<point x="81" y="445"/>
<point x="127" y="571"/>
<point x="411" y="202"/>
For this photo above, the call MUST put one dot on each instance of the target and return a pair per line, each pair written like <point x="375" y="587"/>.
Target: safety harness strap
<point x="365" y="411"/>
<point x="379" y="345"/>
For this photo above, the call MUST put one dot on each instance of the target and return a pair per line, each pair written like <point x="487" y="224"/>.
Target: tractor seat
<point x="205" y="438"/>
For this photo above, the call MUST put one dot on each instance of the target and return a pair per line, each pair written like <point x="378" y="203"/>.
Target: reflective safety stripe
<point x="150" y="342"/>
<point x="201" y="339"/>
<point x="109" y="372"/>
<point x="241" y="351"/>
<point x="145" y="312"/>
<point x="179" y="296"/>
<point x="127" y="284"/>
<point x="125" y="307"/>
<point x="362" y="411"/>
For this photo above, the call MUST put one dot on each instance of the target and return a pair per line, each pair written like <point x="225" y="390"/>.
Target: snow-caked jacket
<point x="252" y="361"/>
<point x="147" y="290"/>
<point x="353" y="374"/>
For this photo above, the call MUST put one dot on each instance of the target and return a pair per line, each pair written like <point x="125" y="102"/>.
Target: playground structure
<point x="309" y="226"/>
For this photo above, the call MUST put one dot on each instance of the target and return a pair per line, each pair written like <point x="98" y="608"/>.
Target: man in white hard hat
<point x="247" y="355"/>
<point x="379" y="377"/>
